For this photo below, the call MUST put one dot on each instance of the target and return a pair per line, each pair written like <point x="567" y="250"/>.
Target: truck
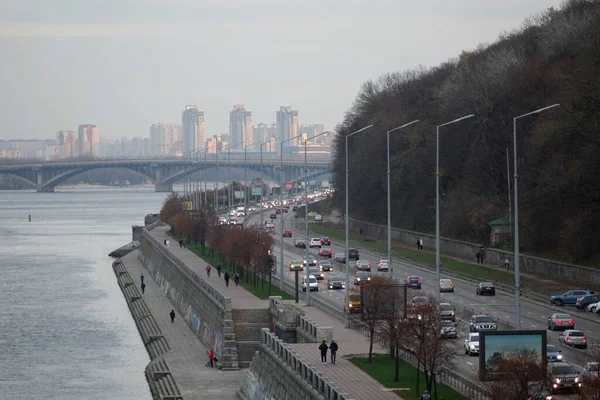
<point x="352" y="304"/>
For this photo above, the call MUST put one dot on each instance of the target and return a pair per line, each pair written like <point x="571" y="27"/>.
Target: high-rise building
<point x="313" y="130"/>
<point x="240" y="126"/>
<point x="192" y="130"/>
<point x="217" y="143"/>
<point x="67" y="144"/>
<point x="165" y="140"/>
<point x="287" y="125"/>
<point x="88" y="141"/>
<point x="261" y="133"/>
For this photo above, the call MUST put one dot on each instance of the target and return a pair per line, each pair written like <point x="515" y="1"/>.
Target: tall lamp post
<point x="281" y="209"/>
<point x="229" y="183"/>
<point x="389" y="196"/>
<point x="246" y="175"/>
<point x="517" y="255"/>
<point x="306" y="212"/>
<point x="347" y="217"/>
<point x="437" y="202"/>
<point x="261" y="181"/>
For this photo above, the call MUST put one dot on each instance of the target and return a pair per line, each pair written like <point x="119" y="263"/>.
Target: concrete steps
<point x="160" y="378"/>
<point x="157" y="347"/>
<point x="247" y="326"/>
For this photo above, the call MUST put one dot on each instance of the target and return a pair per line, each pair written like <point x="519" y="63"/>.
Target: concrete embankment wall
<point x="203" y="307"/>
<point x="467" y="250"/>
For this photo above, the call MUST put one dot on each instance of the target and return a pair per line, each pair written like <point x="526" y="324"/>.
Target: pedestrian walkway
<point x="187" y="357"/>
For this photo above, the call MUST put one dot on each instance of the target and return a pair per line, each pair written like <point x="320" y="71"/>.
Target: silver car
<point x="448" y="330"/>
<point x="574" y="338"/>
<point x="447" y="312"/>
<point x="472" y="344"/>
<point x="446" y="285"/>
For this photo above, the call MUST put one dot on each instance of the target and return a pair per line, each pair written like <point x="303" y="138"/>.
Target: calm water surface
<point x="65" y="329"/>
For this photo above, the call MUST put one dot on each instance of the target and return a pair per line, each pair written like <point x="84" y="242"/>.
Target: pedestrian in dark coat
<point x="478" y="255"/>
<point x="236" y="278"/>
<point x="226" y="278"/>
<point x="143" y="287"/>
<point x="172" y="314"/>
<point x="323" y="347"/>
<point x="180" y="244"/>
<point x="218" y="270"/>
<point x="333" y="346"/>
<point x="142" y="277"/>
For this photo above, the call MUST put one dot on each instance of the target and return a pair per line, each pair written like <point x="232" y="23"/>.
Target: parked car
<point x="326" y="253"/>
<point x="560" y="321"/>
<point x="353" y="254"/>
<point x="311" y="282"/>
<point x="593" y="307"/>
<point x="486" y="288"/>
<point x="384" y="266"/>
<point x="296" y="265"/>
<point x="586" y="300"/>
<point x="591" y="371"/>
<point x="446" y="285"/>
<point x="448" y="330"/>
<point x="447" y="312"/>
<point x="325" y="265"/>
<point x="553" y="354"/>
<point x="472" y="344"/>
<point x="569" y="297"/>
<point x="482" y="322"/>
<point x="563" y="376"/>
<point x="300" y="243"/>
<point x="336" y="282"/>
<point x="315" y="242"/>
<point x="361" y="276"/>
<point x="316" y="271"/>
<point x="287" y="234"/>
<point x="413" y="282"/>
<point x="363" y="265"/>
<point x="339" y="257"/>
<point x="325" y="241"/>
<point x="573" y="338"/>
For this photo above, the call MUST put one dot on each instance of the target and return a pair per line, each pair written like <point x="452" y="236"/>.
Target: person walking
<point x="165" y="242"/>
<point x="143" y="287"/>
<point x="507" y="264"/>
<point x="219" y="270"/>
<point x="208" y="268"/>
<point x="420" y="244"/>
<point x="142" y="277"/>
<point x="180" y="243"/>
<point x="236" y="278"/>
<point x="482" y="254"/>
<point x="226" y="278"/>
<point x="172" y="314"/>
<point x="478" y="255"/>
<point x="168" y="243"/>
<point x="211" y="357"/>
<point x="333" y="347"/>
<point x="323" y="347"/>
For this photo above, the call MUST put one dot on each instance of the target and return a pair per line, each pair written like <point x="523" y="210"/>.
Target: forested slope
<point x="553" y="58"/>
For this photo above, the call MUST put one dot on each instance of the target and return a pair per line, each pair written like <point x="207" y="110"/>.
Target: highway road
<point x="534" y="315"/>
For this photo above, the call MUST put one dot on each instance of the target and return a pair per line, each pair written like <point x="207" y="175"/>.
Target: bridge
<point x="165" y="172"/>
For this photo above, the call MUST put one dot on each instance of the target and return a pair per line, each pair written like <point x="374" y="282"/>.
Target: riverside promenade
<point x="187" y="355"/>
<point x="352" y="380"/>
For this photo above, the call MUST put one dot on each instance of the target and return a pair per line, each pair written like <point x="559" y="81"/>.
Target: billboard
<point x="238" y="194"/>
<point x="257" y="191"/>
<point x="497" y="349"/>
<point x="187" y="206"/>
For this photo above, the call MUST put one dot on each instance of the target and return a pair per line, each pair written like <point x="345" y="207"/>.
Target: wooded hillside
<point x="553" y="58"/>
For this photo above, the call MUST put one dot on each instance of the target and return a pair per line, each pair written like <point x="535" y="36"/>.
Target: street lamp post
<point x="246" y="177"/>
<point x="389" y="200"/>
<point x="517" y="255"/>
<point x="347" y="217"/>
<point x="261" y="182"/>
<point x="229" y="183"/>
<point x="306" y="211"/>
<point x="437" y="202"/>
<point x="281" y="283"/>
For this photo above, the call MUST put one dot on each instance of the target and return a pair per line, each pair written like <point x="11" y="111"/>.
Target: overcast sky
<point x="125" y="64"/>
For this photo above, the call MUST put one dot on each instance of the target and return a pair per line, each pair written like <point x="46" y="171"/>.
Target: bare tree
<point x="374" y="298"/>
<point x="171" y="207"/>
<point x="590" y="389"/>
<point x="204" y="222"/>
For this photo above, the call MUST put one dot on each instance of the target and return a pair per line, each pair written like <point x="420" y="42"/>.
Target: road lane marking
<point x="494" y="312"/>
<point x="528" y="312"/>
<point x="533" y="326"/>
<point x="471" y="364"/>
<point x="506" y="316"/>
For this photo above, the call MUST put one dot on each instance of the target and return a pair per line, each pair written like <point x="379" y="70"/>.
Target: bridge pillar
<point x="40" y="184"/>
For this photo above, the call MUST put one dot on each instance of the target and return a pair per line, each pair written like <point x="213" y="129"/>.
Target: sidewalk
<point x="188" y="355"/>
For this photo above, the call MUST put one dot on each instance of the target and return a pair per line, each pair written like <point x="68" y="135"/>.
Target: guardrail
<point x="219" y="298"/>
<point x="313" y="378"/>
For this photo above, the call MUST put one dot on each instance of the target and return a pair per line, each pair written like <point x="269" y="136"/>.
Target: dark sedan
<point x="325" y="253"/>
<point x="361" y="276"/>
<point x="336" y="282"/>
<point x="325" y="241"/>
<point x="486" y="288"/>
<point x="300" y="243"/>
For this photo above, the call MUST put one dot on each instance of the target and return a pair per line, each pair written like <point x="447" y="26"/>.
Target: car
<point x="591" y="371"/>
<point x="251" y="209"/>
<point x="273" y="216"/>
<point x="223" y="220"/>
<point x="325" y="265"/>
<point x="553" y="354"/>
<point x="296" y="265"/>
<point x="313" y="284"/>
<point x="318" y="218"/>
<point x="232" y="221"/>
<point x="326" y="253"/>
<point x="270" y="225"/>
<point x="312" y="261"/>
<point x="277" y="211"/>
<point x="592" y="307"/>
<point x="486" y="288"/>
<point x="285" y="210"/>
<point x="384" y="266"/>
<point x="339" y="257"/>
<point x="563" y="376"/>
<point x="336" y="282"/>
<point x="446" y="285"/>
<point x="560" y="321"/>
<point x="325" y="241"/>
<point x="240" y="214"/>
<point x="361" y="276"/>
<point x="447" y="312"/>
<point x="418" y="301"/>
<point x="353" y="254"/>
<point x="472" y="344"/>
<point x="136" y="244"/>
<point x="482" y="322"/>
<point x="413" y="282"/>
<point x="300" y="243"/>
<point x="573" y="338"/>
<point x="316" y="271"/>
<point x="448" y="330"/>
<point x="362" y="265"/>
<point x="315" y="242"/>
<point x="569" y="297"/>
<point x="287" y="234"/>
<point x="586" y="300"/>
<point x="295" y="208"/>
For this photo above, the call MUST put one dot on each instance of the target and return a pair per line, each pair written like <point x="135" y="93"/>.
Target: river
<point x="65" y="330"/>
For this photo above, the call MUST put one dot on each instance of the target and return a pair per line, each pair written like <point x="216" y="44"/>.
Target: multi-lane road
<point x="534" y="315"/>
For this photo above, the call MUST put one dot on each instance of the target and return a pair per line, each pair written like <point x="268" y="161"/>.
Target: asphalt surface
<point x="534" y="315"/>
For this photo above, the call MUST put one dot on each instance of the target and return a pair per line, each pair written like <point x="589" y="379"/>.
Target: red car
<point x="287" y="234"/>
<point x="325" y="241"/>
<point x="325" y="253"/>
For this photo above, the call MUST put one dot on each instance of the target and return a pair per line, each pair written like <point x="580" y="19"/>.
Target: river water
<point x="65" y="330"/>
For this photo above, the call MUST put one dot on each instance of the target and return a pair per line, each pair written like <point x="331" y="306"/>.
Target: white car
<point x="446" y="285"/>
<point x="472" y="343"/>
<point x="318" y="218"/>
<point x="592" y="307"/>
<point x="384" y="266"/>
<point x="251" y="209"/>
<point x="315" y="242"/>
<point x="270" y="225"/>
<point x="223" y="221"/>
<point x="241" y="214"/>
<point x="312" y="283"/>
